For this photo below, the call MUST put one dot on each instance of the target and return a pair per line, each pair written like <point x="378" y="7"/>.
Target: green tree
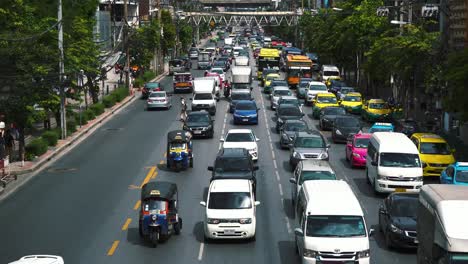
<point x="185" y="35"/>
<point x="169" y="39"/>
<point x="456" y="74"/>
<point x="143" y="42"/>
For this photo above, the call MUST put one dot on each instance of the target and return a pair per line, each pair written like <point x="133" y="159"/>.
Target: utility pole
<point x="63" y="111"/>
<point x="160" y="58"/>
<point x="127" y="53"/>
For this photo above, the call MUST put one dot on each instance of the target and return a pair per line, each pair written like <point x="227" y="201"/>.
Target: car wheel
<point x="375" y="188"/>
<point x="177" y="228"/>
<point x="347" y="158"/>
<point x="367" y="177"/>
<point x="388" y="241"/>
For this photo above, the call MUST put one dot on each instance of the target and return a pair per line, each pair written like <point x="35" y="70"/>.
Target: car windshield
<point x="245" y="106"/>
<point x="331" y="73"/>
<point x="233" y="164"/>
<point x="154" y="205"/>
<point x="219" y="64"/>
<point x="434" y="148"/>
<point x="361" y="142"/>
<point x="289" y="111"/>
<point x="281" y="92"/>
<point x="347" y="122"/>
<point x="399" y="160"/>
<point x="240" y="96"/>
<point x="316" y="175"/>
<point x="295" y="126"/>
<point x="326" y="99"/>
<point x="380" y="129"/>
<point x="202" y="96"/>
<point x="303" y="84"/>
<point x="378" y="106"/>
<point x="219" y="71"/>
<point x="318" y="87"/>
<point x="152" y="85"/>
<point x="198" y="118"/>
<point x="175" y="63"/>
<point x="289" y="101"/>
<point x="334" y="111"/>
<point x="462" y="176"/>
<point x="279" y="83"/>
<point x="229" y="200"/>
<point x="346" y="90"/>
<point x="336" y="83"/>
<point x="352" y="98"/>
<point x="335" y="226"/>
<point x="240" y="86"/>
<point x="240" y="137"/>
<point x="157" y="95"/>
<point x="309" y="142"/>
<point x="269" y="78"/>
<point x="404" y="207"/>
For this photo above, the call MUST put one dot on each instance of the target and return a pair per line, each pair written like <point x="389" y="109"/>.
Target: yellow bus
<point x="267" y="58"/>
<point x="297" y="66"/>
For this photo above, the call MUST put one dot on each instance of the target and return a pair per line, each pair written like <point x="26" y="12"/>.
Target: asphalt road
<point x="83" y="206"/>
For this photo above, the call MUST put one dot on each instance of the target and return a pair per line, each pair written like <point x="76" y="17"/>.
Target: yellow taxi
<point x="376" y="110"/>
<point x="352" y="103"/>
<point x="434" y="152"/>
<point x="323" y="100"/>
<point x="270" y="77"/>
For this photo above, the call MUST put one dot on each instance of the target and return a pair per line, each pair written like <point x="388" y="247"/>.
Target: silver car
<point x="277" y="92"/>
<point x="308" y="145"/>
<point x="159" y="99"/>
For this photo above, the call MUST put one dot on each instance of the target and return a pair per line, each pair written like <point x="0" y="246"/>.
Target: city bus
<point x="267" y="58"/>
<point x="297" y="66"/>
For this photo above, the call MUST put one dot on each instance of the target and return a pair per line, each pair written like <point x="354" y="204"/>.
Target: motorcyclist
<point x="183" y="109"/>
<point x="227" y="89"/>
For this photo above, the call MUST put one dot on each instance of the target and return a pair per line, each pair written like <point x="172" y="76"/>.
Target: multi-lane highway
<point x="84" y="207"/>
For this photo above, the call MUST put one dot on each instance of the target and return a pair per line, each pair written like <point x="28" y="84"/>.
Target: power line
<point x="32" y="36"/>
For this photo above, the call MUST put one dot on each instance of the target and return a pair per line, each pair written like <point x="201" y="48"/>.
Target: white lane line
<point x="288" y="225"/>
<point x="280" y="190"/>
<point x="200" y="251"/>
<point x="274" y="162"/>
<point x="277" y="175"/>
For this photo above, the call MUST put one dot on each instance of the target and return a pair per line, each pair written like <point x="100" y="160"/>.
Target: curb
<point x="74" y="138"/>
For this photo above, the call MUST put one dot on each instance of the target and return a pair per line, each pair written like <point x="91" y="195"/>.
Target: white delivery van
<point x="228" y="41"/>
<point x="441" y="228"/>
<point x="331" y="223"/>
<point x="241" y="77"/>
<point x="329" y="71"/>
<point x="393" y="164"/>
<point x="242" y="61"/>
<point x="204" y="95"/>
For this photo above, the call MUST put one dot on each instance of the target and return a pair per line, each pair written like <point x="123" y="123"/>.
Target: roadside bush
<point x="148" y="76"/>
<point x="37" y="147"/>
<point x="71" y="126"/>
<point x="139" y="82"/>
<point x="50" y="137"/>
<point x="97" y="108"/>
<point x="108" y="101"/>
<point x="120" y="94"/>
<point x="87" y="115"/>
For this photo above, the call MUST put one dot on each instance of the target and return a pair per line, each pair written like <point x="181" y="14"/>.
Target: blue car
<point x="456" y="173"/>
<point x="246" y="112"/>
<point x="381" y="127"/>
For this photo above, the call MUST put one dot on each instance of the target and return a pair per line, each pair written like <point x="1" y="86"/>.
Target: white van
<point x="332" y="227"/>
<point x="43" y="259"/>
<point x="204" y="95"/>
<point x="242" y="61"/>
<point x="329" y="71"/>
<point x="393" y="164"/>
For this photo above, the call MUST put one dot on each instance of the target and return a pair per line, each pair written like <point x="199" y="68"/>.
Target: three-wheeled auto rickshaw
<point x="159" y="217"/>
<point x="179" y="150"/>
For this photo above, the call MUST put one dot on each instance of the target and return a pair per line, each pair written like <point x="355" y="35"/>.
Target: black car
<point x="289" y="129"/>
<point x="220" y="64"/>
<point x="287" y="112"/>
<point x="199" y="123"/>
<point x="335" y="86"/>
<point x="398" y="218"/>
<point x="234" y="163"/>
<point x="328" y="116"/>
<point x="344" y="126"/>
<point x="407" y="126"/>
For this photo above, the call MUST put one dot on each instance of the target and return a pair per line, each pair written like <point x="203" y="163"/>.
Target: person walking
<point x="10" y="136"/>
<point x="2" y="142"/>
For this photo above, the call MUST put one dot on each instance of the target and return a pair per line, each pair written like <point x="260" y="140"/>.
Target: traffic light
<point x="429" y="11"/>
<point x="383" y="11"/>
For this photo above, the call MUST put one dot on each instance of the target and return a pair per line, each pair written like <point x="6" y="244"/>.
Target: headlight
<point x="326" y="120"/>
<point x="243" y="221"/>
<point x="209" y="127"/>
<point x="420" y="178"/>
<point x="213" y="221"/>
<point x="185" y="127"/>
<point x="338" y="132"/>
<point x="356" y="155"/>
<point x="383" y="178"/>
<point x="296" y="155"/>
<point x="395" y="229"/>
<point x="364" y="254"/>
<point x="309" y="253"/>
<point x="323" y="155"/>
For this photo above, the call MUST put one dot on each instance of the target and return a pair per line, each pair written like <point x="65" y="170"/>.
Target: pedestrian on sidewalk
<point x="2" y="141"/>
<point x="10" y="136"/>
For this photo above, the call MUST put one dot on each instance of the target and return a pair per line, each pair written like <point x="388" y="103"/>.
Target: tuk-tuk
<point x="183" y="82"/>
<point x="179" y="150"/>
<point x="159" y="217"/>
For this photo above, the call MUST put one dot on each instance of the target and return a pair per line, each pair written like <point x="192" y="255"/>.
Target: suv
<point x="308" y="145"/>
<point x="234" y="163"/>
<point x="230" y="210"/>
<point x="287" y="112"/>
<point x="199" y="123"/>
<point x="289" y="129"/>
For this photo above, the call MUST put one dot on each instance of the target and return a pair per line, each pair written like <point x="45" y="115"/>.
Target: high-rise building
<point x="458" y="24"/>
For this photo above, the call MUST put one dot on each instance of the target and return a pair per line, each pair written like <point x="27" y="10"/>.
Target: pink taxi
<point x="356" y="149"/>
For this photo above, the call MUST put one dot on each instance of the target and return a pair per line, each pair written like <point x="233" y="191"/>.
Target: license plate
<point x="229" y="231"/>
<point x="245" y="119"/>
<point x="197" y="132"/>
<point x="400" y="190"/>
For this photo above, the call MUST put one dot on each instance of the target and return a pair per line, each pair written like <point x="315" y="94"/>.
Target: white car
<point x="42" y="259"/>
<point x="315" y="88"/>
<point x="242" y="138"/>
<point x="277" y="92"/>
<point x="221" y="73"/>
<point x="230" y="210"/>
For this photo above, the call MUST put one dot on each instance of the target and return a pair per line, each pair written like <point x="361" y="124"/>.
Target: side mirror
<point x="210" y="168"/>
<point x="292" y="180"/>
<point x="298" y="232"/>
<point x="202" y="203"/>
<point x="328" y="145"/>
<point x="257" y="139"/>
<point x="256" y="168"/>
<point x="221" y="139"/>
<point x="371" y="232"/>
<point x="257" y="203"/>
<point x="382" y="210"/>
<point x="374" y="163"/>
